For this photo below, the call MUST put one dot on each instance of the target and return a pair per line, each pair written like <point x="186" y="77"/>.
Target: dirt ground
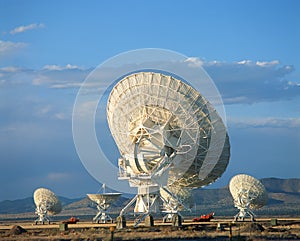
<point x="222" y="229"/>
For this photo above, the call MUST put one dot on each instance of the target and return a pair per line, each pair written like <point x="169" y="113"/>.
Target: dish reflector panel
<point x="153" y="115"/>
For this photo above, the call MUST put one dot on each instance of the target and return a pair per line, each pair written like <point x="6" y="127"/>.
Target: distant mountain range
<point x="284" y="200"/>
<point x="27" y="205"/>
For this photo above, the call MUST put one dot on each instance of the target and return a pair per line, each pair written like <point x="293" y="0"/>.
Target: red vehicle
<point x="204" y="218"/>
<point x="71" y="220"/>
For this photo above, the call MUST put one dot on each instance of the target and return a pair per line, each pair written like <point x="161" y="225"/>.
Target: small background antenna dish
<point x="248" y="193"/>
<point x="103" y="202"/>
<point x="47" y="203"/>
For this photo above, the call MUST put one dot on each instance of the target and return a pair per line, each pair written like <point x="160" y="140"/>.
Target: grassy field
<point x="285" y="229"/>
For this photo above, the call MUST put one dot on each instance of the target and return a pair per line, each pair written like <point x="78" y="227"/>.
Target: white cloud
<point x="92" y="86"/>
<point x="66" y="85"/>
<point x="53" y="112"/>
<point x="272" y="122"/>
<point x="291" y="83"/>
<point x="39" y="80"/>
<point x="236" y="99"/>
<point x="58" y="176"/>
<point x="50" y="76"/>
<point x="259" y="63"/>
<point x="244" y="81"/>
<point x="25" y="28"/>
<point x="60" y="77"/>
<point x="13" y="76"/>
<point x="267" y="64"/>
<point x="10" y="69"/>
<point x="249" y="82"/>
<point x="42" y="111"/>
<point x="58" y="67"/>
<point x="61" y="116"/>
<point x="194" y="62"/>
<point x="244" y="62"/>
<point x="7" y="46"/>
<point x="53" y="67"/>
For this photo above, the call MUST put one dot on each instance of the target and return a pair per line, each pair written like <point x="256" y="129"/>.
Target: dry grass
<point x="191" y="231"/>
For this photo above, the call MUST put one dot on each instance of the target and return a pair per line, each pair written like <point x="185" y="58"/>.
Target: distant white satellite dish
<point x="103" y="202"/>
<point x="169" y="137"/>
<point x="46" y="203"/>
<point x="248" y="193"/>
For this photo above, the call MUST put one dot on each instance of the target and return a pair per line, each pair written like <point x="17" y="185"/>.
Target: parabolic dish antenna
<point x="248" y="193"/>
<point x="169" y="136"/>
<point x="46" y="203"/>
<point x="103" y="202"/>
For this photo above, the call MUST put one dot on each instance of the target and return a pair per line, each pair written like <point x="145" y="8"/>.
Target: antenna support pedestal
<point x="121" y="222"/>
<point x="42" y="212"/>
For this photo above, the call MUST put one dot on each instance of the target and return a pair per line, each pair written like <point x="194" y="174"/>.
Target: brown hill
<point x="282" y="185"/>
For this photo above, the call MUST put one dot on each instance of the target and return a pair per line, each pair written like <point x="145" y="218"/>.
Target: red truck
<point x="204" y="218"/>
<point x="71" y="220"/>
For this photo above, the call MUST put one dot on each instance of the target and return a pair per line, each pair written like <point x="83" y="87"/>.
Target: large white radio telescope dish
<point x="154" y="116"/>
<point x="46" y="203"/>
<point x="248" y="193"/>
<point x="169" y="136"/>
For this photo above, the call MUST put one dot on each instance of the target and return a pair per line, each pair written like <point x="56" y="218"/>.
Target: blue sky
<point x="251" y="50"/>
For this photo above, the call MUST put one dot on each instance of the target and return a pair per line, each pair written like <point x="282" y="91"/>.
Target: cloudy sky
<point x="251" y="49"/>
